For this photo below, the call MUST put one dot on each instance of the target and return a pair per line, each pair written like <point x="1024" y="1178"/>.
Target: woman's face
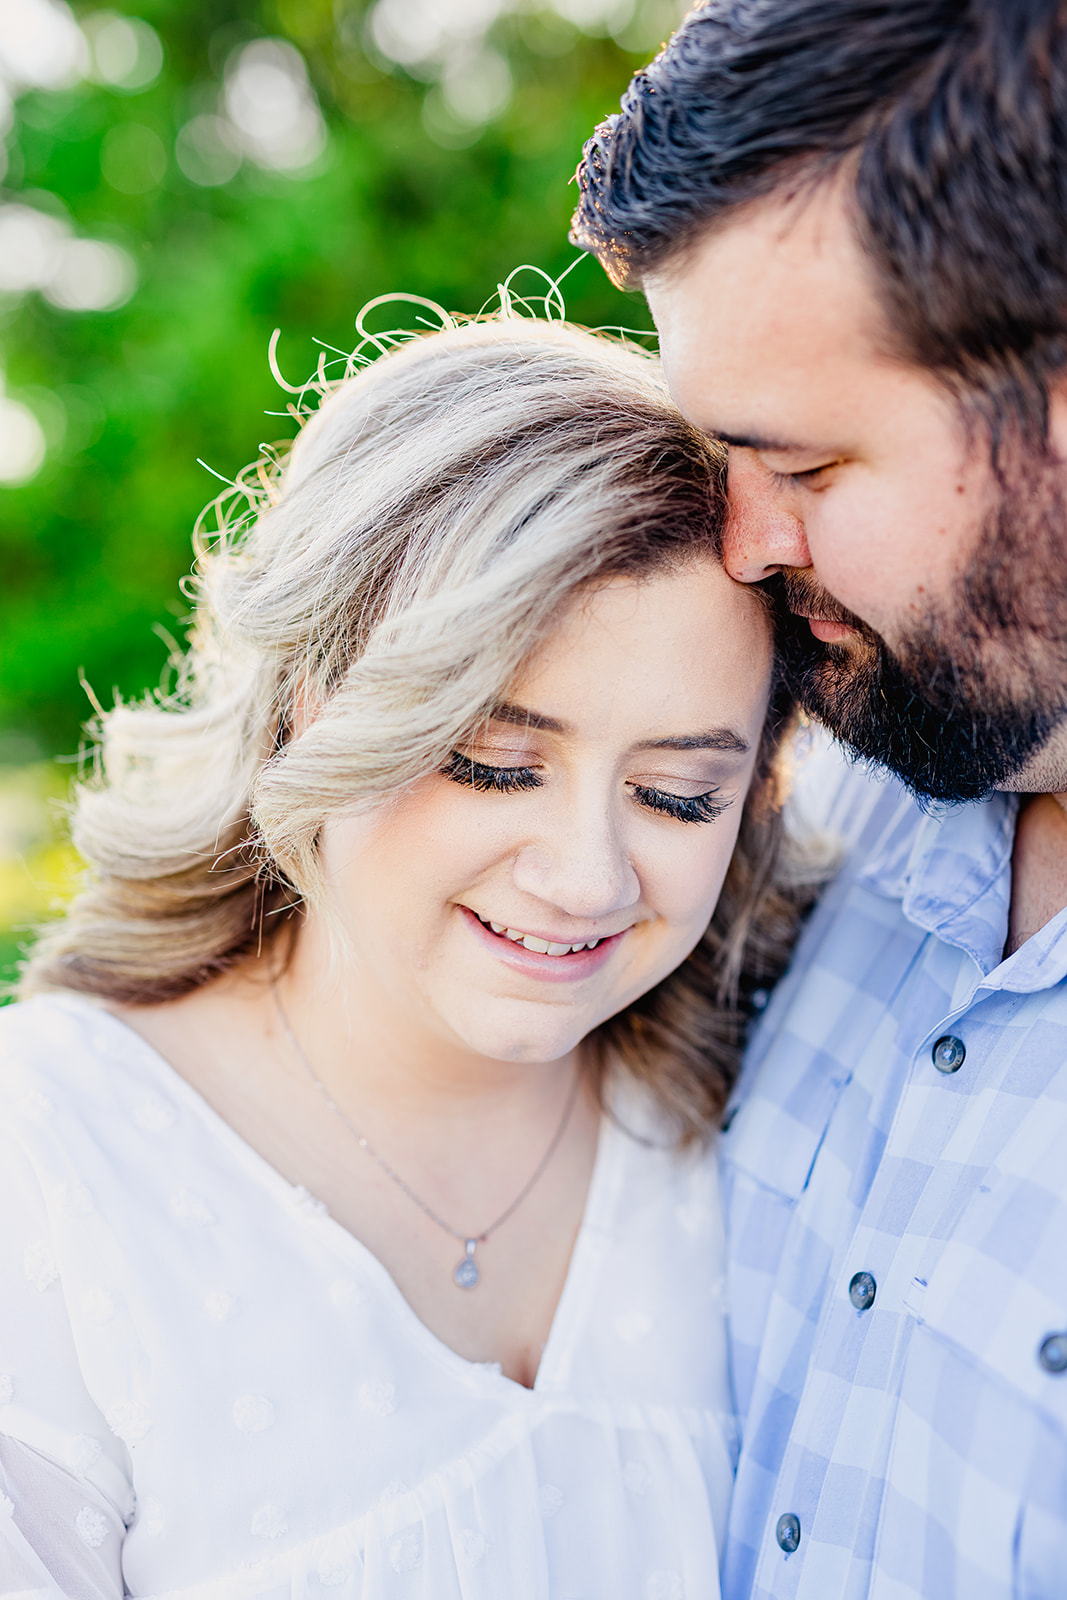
<point x="571" y="856"/>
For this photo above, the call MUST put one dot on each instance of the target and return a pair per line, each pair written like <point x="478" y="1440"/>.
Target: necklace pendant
<point x="466" y="1274"/>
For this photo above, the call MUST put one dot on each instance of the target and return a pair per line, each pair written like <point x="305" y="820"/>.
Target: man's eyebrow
<point x="518" y="715"/>
<point x="724" y="739"/>
<point x="757" y="441"/>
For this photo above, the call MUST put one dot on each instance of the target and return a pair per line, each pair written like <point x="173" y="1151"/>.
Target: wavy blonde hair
<point x="433" y="517"/>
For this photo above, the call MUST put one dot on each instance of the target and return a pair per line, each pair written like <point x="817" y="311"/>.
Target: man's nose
<point x="762" y="533"/>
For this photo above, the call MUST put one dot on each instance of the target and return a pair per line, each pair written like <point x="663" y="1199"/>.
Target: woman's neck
<point x="466" y="1134"/>
<point x="388" y="1059"/>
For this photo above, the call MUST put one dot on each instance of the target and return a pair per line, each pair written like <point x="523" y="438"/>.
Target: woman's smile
<point x="540" y="957"/>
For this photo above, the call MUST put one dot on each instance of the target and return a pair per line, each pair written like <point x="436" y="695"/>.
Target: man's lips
<point x="829" y="629"/>
<point x="829" y="621"/>
<point x="830" y="632"/>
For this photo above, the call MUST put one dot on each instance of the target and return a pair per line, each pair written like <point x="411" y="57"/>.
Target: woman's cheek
<point x="684" y="881"/>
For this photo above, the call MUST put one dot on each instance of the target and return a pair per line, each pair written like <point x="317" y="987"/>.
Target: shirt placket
<point x="843" y="1427"/>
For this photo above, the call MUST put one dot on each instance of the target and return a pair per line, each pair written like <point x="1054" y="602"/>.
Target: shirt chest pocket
<point x="827" y="1049"/>
<point x="979" y="1453"/>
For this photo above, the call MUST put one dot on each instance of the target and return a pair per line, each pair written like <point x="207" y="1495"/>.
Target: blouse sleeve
<point x="65" y="1480"/>
<point x="58" y="1536"/>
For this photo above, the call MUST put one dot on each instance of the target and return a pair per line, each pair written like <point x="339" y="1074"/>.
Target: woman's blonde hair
<point x="433" y="517"/>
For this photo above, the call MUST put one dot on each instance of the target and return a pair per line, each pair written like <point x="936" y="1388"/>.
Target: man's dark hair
<point x="950" y="119"/>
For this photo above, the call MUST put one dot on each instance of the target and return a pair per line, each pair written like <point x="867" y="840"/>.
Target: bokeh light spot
<point x="412" y="32"/>
<point x="133" y="158"/>
<point x="596" y="16"/>
<point x="22" y="442"/>
<point x="205" y="151"/>
<point x="126" y="51"/>
<point x="31" y="245"/>
<point x="41" y="45"/>
<point x="91" y="276"/>
<point x="476" y="90"/>
<point x="272" y="106"/>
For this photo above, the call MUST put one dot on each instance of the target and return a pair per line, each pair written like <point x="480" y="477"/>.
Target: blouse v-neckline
<point x="579" y="1287"/>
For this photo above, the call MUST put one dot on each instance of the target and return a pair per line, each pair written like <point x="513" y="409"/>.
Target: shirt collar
<point x="950" y="867"/>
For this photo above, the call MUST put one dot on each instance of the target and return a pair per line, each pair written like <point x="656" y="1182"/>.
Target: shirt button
<point x="949" y="1053"/>
<point x="1053" y="1353"/>
<point x="788" y="1533"/>
<point x="862" y="1290"/>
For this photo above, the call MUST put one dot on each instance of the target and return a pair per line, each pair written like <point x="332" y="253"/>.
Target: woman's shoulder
<point x="649" y="1265"/>
<point x="72" y="1078"/>
<point x="666" y="1196"/>
<point x="70" y="1038"/>
<point x="53" y="1241"/>
<point x="636" y="1109"/>
<point x="36" y="1026"/>
<point x="48" y="1039"/>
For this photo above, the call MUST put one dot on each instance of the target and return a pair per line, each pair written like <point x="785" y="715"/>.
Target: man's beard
<point x="974" y="693"/>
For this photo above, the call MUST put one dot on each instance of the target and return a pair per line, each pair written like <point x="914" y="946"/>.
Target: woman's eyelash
<point x="507" y="780"/>
<point x="501" y="780"/>
<point x="698" y="808"/>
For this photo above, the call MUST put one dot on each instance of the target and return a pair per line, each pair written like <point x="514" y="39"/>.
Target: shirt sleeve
<point x="59" y="1537"/>
<point x="65" y="1479"/>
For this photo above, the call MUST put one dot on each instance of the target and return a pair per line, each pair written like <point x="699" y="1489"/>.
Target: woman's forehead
<point x="680" y="644"/>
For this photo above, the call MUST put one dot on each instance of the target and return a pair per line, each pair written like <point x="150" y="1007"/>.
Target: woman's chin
<point x="520" y="1045"/>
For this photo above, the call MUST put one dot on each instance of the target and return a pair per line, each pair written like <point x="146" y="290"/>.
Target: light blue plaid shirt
<point x="918" y="1447"/>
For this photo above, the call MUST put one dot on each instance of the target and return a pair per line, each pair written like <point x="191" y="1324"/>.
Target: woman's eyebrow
<point x="724" y="739"/>
<point x="506" y="712"/>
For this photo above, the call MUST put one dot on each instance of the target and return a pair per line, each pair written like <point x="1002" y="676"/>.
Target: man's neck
<point x="1038" y="867"/>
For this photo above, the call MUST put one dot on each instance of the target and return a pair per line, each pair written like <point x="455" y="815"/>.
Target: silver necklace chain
<point x="466" y="1273"/>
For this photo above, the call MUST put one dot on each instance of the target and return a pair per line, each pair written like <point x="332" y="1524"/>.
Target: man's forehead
<point x="785" y="271"/>
<point x="770" y="322"/>
<point x="809" y="226"/>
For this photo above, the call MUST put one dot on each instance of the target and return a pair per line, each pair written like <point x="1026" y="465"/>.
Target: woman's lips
<point x="555" y="969"/>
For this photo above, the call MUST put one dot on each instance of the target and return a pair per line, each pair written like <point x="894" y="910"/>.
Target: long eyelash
<point x="508" y="780"/>
<point x="701" y="808"/>
<point x="500" y="780"/>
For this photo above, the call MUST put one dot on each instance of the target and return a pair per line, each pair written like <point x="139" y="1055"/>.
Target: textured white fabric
<point x="218" y="1368"/>
<point x="56" y="1532"/>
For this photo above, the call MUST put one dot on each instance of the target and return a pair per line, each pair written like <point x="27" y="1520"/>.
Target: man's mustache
<point x="805" y="597"/>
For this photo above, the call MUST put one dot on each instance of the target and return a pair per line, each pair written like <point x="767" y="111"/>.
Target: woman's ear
<point x="306" y="705"/>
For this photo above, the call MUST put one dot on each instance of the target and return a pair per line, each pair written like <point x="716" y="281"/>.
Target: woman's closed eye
<point x="703" y="807"/>
<point x="706" y="807"/>
<point x="479" y="775"/>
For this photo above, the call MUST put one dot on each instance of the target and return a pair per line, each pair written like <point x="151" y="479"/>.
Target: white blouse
<point x="210" y="1390"/>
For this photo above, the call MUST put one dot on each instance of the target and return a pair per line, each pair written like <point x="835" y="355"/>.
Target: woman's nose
<point x="762" y="534"/>
<point x="581" y="866"/>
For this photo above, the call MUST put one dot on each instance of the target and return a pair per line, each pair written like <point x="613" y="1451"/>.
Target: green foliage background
<point x="93" y="547"/>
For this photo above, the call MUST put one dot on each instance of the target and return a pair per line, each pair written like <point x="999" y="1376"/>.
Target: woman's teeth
<point x="541" y="947"/>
